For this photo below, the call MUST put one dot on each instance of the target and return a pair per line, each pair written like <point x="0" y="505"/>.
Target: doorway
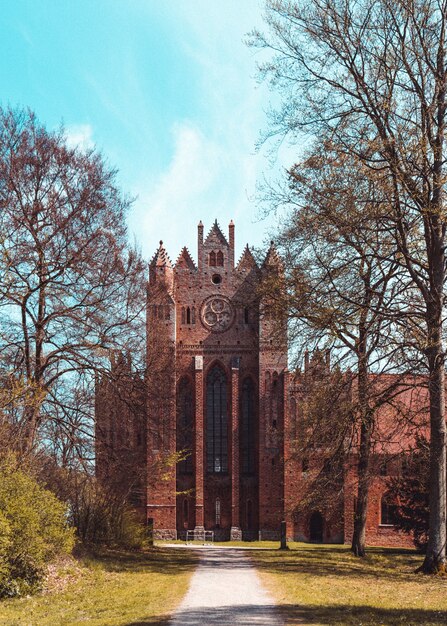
<point x="316" y="524"/>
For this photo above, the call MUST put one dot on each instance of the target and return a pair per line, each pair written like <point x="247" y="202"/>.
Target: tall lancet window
<point x="185" y="424"/>
<point x="247" y="427"/>
<point x="216" y="421"/>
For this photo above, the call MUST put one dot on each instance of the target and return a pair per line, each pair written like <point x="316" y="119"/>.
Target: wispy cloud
<point x="180" y="194"/>
<point x="79" y="135"/>
<point x="205" y="180"/>
<point x="214" y="168"/>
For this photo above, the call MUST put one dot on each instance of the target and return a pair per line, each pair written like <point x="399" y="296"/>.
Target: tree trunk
<point x="358" y="546"/>
<point x="358" y="538"/>
<point x="435" y="558"/>
<point x="31" y="420"/>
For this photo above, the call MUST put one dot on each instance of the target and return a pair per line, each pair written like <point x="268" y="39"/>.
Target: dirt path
<point x="226" y="590"/>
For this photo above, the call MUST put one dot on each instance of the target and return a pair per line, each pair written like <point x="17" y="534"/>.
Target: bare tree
<point x="373" y="74"/>
<point x="71" y="289"/>
<point x="343" y="287"/>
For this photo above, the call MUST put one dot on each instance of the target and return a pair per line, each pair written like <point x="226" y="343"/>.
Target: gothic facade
<point x="211" y="443"/>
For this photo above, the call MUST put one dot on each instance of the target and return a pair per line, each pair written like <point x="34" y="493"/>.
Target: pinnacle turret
<point x="161" y="258"/>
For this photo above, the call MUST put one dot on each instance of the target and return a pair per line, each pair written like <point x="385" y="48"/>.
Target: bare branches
<point x="71" y="290"/>
<point x="371" y="77"/>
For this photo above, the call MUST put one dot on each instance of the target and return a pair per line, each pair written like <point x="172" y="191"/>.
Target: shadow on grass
<point x="390" y="564"/>
<point x="157" y="560"/>
<point x="249" y="615"/>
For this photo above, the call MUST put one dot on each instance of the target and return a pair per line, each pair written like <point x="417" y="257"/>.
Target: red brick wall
<point x="183" y="344"/>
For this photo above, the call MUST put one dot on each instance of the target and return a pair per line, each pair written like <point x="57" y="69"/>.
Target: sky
<point x="166" y="90"/>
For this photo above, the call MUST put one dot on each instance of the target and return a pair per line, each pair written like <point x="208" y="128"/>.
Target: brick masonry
<point x="201" y="317"/>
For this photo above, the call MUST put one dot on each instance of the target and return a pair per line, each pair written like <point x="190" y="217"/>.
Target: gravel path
<point x="226" y="590"/>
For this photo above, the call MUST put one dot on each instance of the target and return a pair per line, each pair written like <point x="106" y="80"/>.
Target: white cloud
<point x="206" y="179"/>
<point x="179" y="195"/>
<point x="214" y="168"/>
<point x="190" y="174"/>
<point x="80" y="135"/>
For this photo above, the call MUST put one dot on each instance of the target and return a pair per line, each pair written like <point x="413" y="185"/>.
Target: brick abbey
<point x="207" y="439"/>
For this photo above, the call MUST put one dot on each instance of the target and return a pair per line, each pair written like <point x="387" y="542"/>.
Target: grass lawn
<point x="326" y="585"/>
<point x="118" y="588"/>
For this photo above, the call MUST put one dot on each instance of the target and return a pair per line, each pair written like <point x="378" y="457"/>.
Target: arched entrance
<point x="316" y="523"/>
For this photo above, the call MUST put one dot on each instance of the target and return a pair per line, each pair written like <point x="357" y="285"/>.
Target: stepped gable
<point x="215" y="236"/>
<point x="185" y="261"/>
<point x="247" y="261"/>
<point x="272" y="259"/>
<point x="160" y="258"/>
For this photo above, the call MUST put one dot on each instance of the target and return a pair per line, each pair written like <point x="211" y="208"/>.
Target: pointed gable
<point x="160" y="258"/>
<point x="246" y="262"/>
<point x="215" y="237"/>
<point x="184" y="260"/>
<point x="272" y="259"/>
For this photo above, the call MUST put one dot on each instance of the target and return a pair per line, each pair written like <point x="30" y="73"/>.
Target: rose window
<point x="217" y="313"/>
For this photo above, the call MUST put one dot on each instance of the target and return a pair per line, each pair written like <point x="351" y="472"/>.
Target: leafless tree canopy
<point x="71" y="288"/>
<point x="370" y="77"/>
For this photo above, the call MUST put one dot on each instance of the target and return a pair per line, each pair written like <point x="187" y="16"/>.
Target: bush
<point x="100" y="515"/>
<point x="33" y="530"/>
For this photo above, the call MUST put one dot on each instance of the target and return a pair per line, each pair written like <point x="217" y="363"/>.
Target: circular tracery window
<point x="217" y="313"/>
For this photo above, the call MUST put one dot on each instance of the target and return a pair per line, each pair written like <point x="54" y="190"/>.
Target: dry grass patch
<point x="114" y="589"/>
<point x="327" y="585"/>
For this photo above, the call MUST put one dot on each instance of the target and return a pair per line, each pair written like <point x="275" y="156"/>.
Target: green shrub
<point x="33" y="530"/>
<point x="132" y="534"/>
<point x="100" y="514"/>
<point x="104" y="518"/>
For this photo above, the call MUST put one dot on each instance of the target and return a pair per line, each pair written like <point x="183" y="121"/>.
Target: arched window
<point x="388" y="511"/>
<point x="268" y="378"/>
<point x="188" y="315"/>
<point x="293" y="422"/>
<point x="185" y="424"/>
<point x="216" y="421"/>
<point x="249" y="515"/>
<point x="193" y="315"/>
<point x="246" y="315"/>
<point x="183" y="315"/>
<point x="274" y="400"/>
<point x="212" y="259"/>
<point x="217" y="511"/>
<point x="220" y="259"/>
<point x="247" y="431"/>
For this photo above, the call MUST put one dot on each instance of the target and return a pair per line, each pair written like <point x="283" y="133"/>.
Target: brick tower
<point x="209" y="437"/>
<point x="215" y="380"/>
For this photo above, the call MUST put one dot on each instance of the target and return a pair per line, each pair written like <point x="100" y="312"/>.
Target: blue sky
<point x="166" y="89"/>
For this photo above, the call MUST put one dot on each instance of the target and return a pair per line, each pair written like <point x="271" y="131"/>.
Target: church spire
<point x="215" y="234"/>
